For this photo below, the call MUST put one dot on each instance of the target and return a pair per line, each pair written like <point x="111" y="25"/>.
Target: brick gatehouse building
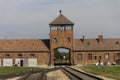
<point x="36" y="52"/>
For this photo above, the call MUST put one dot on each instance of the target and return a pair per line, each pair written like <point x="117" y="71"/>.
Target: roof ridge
<point x="61" y="20"/>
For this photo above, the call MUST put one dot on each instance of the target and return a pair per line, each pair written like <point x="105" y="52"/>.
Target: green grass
<point x="17" y="70"/>
<point x="108" y="71"/>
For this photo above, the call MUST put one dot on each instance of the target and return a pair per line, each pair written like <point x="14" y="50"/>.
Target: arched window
<point x="68" y="39"/>
<point x="55" y="39"/>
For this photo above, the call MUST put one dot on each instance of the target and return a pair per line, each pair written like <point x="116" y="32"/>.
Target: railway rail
<point x="74" y="74"/>
<point x="38" y="76"/>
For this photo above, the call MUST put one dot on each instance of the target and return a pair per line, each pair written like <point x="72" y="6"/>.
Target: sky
<point x="29" y="19"/>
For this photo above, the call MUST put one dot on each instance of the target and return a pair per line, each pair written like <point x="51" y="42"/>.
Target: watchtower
<point x="61" y="36"/>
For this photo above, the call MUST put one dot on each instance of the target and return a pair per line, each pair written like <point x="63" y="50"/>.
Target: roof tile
<point x="61" y="20"/>
<point x="22" y="45"/>
<point x="94" y="44"/>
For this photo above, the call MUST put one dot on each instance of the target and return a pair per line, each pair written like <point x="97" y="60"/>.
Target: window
<point x="68" y="39"/>
<point x="90" y="56"/>
<point x="68" y="28"/>
<point x="7" y="55"/>
<point x="107" y="56"/>
<point x="60" y="28"/>
<point x="95" y="57"/>
<point x="20" y="55"/>
<point x="79" y="56"/>
<point x="32" y="55"/>
<point x="53" y="28"/>
<point x="117" y="43"/>
<point x="100" y="57"/>
<point x="88" y="43"/>
<point x="55" y="39"/>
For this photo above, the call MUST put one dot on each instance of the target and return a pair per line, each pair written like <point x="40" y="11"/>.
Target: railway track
<point x="74" y="74"/>
<point x="38" y="76"/>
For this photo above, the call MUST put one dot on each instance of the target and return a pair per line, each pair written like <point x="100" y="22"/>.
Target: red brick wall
<point x="42" y="57"/>
<point x="61" y="42"/>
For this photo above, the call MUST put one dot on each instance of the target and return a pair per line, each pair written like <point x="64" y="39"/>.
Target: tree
<point x="57" y="54"/>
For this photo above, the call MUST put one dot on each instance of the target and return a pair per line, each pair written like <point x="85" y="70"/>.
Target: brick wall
<point x="96" y="56"/>
<point x="42" y="57"/>
<point x="61" y="39"/>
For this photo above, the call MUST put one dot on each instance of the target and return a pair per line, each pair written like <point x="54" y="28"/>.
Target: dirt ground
<point x="15" y="78"/>
<point x="57" y="75"/>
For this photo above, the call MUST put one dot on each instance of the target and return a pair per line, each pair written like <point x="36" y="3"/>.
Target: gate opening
<point x="61" y="56"/>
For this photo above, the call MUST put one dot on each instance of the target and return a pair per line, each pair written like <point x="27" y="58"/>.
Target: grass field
<point x="108" y="71"/>
<point x="17" y="70"/>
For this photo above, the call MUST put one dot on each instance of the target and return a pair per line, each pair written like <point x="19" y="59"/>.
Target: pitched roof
<point x="94" y="44"/>
<point x="61" y="20"/>
<point x="22" y="45"/>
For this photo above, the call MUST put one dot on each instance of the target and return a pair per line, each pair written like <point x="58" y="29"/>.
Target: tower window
<point x="60" y="28"/>
<point x="55" y="39"/>
<point x="68" y="39"/>
<point x="68" y="28"/>
<point x="53" y="28"/>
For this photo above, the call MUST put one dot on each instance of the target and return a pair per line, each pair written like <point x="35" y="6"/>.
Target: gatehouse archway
<point x="61" y="56"/>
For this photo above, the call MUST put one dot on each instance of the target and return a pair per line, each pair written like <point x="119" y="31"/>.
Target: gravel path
<point x="57" y="75"/>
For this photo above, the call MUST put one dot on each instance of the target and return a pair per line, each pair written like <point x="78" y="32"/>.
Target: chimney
<point x="100" y="38"/>
<point x="83" y="38"/>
